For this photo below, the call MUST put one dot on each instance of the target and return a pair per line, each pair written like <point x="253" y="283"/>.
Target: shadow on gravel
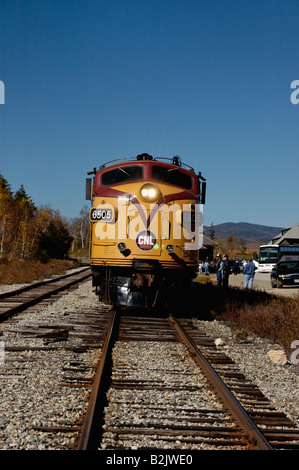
<point x="204" y="301"/>
<point x="208" y="301"/>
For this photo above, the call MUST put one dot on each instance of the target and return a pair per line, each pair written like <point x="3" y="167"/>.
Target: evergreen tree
<point x="212" y="231"/>
<point x="55" y="241"/>
<point x="25" y="202"/>
<point x="25" y="212"/>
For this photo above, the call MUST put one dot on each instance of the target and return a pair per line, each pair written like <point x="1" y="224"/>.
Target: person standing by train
<point x="207" y="267"/>
<point x="218" y="270"/>
<point x="225" y="268"/>
<point x="248" y="272"/>
<point x="200" y="267"/>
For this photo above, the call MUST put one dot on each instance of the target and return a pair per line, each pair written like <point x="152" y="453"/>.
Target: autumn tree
<point x="6" y="216"/>
<point x="25" y="212"/>
<point x="79" y="228"/>
<point x="25" y="231"/>
<point x="242" y="247"/>
<point x="231" y="244"/>
<point x="228" y="246"/>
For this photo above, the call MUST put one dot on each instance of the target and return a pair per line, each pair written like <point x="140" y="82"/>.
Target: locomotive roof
<point x="175" y="161"/>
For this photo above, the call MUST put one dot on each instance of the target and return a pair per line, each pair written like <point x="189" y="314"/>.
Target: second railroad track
<point x="18" y="300"/>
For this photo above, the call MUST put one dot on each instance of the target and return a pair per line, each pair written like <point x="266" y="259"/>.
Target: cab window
<point x="172" y="176"/>
<point x="122" y="174"/>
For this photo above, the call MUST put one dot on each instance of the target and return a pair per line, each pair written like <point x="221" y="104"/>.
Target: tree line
<point x="30" y="232"/>
<point x="231" y="244"/>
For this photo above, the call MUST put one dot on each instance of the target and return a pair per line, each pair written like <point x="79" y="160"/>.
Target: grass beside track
<point x="24" y="271"/>
<point x="247" y="312"/>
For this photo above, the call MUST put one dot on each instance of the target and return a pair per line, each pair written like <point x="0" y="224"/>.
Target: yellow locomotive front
<point x="146" y="229"/>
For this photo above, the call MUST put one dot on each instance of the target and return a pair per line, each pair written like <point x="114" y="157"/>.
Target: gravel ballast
<point x="31" y="382"/>
<point x="279" y="383"/>
<point x="35" y="388"/>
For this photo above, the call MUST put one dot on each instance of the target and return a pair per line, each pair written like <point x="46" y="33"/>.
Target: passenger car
<point x="285" y="273"/>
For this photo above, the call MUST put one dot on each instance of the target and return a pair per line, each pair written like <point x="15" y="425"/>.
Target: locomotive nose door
<point x="146" y="240"/>
<point x="146" y="232"/>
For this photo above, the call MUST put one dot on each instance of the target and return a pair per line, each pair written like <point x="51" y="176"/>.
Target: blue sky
<point x="89" y="81"/>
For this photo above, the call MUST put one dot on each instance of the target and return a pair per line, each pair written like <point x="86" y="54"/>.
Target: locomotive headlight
<point x="150" y="192"/>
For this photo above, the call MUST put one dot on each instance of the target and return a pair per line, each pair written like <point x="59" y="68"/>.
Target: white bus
<point x="269" y="255"/>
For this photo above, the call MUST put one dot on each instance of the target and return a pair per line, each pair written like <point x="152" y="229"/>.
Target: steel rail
<point x="46" y="282"/>
<point x="41" y="291"/>
<point x="98" y="388"/>
<point x="256" y="438"/>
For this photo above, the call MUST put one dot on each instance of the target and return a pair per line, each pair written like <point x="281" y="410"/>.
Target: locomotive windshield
<point x="122" y="175"/>
<point x="172" y="176"/>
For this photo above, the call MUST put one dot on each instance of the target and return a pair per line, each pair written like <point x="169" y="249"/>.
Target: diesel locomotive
<point x="145" y="229"/>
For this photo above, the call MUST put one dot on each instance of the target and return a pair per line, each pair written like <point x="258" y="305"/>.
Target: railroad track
<point x="245" y="419"/>
<point x="18" y="300"/>
<point x="50" y="350"/>
<point x="240" y="417"/>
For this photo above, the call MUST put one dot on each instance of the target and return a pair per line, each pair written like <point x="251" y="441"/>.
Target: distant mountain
<point x="244" y="230"/>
